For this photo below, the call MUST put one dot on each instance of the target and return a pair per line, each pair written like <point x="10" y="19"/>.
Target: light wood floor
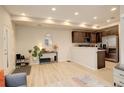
<point x="47" y="74"/>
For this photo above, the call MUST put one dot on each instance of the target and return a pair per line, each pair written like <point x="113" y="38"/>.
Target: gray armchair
<point x="16" y="80"/>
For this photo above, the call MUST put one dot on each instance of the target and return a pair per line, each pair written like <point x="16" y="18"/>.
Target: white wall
<point x="121" y="35"/>
<point x="27" y="37"/>
<point x="5" y="21"/>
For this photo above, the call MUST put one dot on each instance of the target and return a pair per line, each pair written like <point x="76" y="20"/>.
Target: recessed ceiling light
<point x="53" y="9"/>
<point x="82" y="25"/>
<point x="76" y="13"/>
<point x="113" y="9"/>
<point x="67" y="22"/>
<point x="96" y="26"/>
<point x="108" y="20"/>
<point x="95" y="17"/>
<point x="23" y="14"/>
<point x="48" y="21"/>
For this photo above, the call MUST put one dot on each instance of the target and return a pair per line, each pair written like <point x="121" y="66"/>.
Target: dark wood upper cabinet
<point x="98" y="37"/>
<point x="74" y="37"/>
<point x="93" y="38"/>
<point x="110" y="31"/>
<point x="77" y="37"/>
<point x="81" y="37"/>
<point x="87" y="34"/>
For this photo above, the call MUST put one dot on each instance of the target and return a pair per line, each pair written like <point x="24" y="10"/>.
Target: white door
<point x="5" y="49"/>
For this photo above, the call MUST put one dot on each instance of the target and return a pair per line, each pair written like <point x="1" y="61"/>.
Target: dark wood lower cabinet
<point x="100" y="59"/>
<point x="112" y="54"/>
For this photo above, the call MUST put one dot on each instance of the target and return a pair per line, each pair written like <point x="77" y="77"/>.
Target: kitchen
<point x="96" y="46"/>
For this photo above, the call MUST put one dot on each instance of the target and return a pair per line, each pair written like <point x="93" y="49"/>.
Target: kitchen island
<point x="89" y="57"/>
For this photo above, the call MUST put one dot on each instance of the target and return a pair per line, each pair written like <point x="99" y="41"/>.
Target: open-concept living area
<point x="61" y="46"/>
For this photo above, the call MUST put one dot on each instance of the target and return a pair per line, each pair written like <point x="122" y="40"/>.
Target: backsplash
<point x="110" y="41"/>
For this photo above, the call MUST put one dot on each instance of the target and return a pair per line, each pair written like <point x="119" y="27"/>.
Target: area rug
<point x="81" y="81"/>
<point x="23" y="69"/>
<point x="90" y="81"/>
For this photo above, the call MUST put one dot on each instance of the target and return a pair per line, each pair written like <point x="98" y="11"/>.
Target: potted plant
<point x="55" y="47"/>
<point x="36" y="53"/>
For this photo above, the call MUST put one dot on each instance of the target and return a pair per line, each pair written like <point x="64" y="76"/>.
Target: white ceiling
<point x="66" y="12"/>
